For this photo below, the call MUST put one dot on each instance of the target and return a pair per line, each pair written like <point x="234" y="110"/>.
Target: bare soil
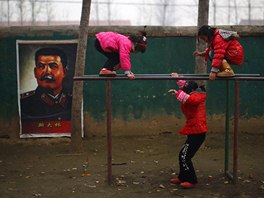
<point x="142" y="167"/>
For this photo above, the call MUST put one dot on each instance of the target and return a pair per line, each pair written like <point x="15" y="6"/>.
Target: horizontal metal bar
<point x="255" y="77"/>
<point x="237" y="75"/>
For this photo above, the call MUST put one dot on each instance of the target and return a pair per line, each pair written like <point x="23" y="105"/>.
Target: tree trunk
<point x="77" y="100"/>
<point x="200" y="64"/>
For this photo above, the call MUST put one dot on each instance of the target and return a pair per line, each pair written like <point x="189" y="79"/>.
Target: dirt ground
<point x="142" y="167"/>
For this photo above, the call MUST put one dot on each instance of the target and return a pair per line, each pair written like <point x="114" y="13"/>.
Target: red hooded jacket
<point x="195" y="112"/>
<point x="230" y="50"/>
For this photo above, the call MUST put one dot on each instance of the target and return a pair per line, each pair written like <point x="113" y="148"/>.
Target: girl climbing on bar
<point x="223" y="50"/>
<point x="117" y="48"/>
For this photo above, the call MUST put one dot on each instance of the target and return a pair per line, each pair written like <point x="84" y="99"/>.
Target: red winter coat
<point x="230" y="50"/>
<point x="195" y="112"/>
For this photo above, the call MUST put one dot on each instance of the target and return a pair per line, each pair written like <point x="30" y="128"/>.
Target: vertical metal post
<point x="236" y="115"/>
<point x="109" y="131"/>
<point x="227" y="128"/>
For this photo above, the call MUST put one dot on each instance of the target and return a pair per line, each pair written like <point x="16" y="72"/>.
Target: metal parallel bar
<point x="236" y="75"/>
<point x="227" y="128"/>
<point x="168" y="77"/>
<point x="160" y="77"/>
<point x="109" y="131"/>
<point x="236" y="114"/>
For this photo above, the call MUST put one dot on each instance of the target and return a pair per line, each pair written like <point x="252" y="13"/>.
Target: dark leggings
<point x="113" y="58"/>
<point x="190" y="147"/>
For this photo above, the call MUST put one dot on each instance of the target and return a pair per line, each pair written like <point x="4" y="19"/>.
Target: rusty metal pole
<point x="109" y="131"/>
<point x="227" y="133"/>
<point x="236" y="115"/>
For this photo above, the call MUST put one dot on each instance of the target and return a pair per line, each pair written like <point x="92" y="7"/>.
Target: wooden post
<point x="203" y="10"/>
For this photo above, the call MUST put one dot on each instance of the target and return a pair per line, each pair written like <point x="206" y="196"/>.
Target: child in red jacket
<point x="224" y="49"/>
<point x="117" y="48"/>
<point x="193" y="99"/>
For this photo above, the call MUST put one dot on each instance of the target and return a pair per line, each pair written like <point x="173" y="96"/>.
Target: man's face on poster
<point x="50" y="72"/>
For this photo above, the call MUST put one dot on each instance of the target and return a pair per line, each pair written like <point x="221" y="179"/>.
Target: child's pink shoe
<point x="175" y="180"/>
<point x="187" y="185"/>
<point x="106" y="72"/>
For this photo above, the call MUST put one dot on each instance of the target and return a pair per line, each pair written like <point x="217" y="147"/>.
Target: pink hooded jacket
<point x="117" y="43"/>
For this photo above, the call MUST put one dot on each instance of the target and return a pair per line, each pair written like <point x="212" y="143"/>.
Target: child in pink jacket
<point x="117" y="48"/>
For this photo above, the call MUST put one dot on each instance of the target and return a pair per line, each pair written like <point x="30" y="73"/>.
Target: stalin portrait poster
<point x="45" y="80"/>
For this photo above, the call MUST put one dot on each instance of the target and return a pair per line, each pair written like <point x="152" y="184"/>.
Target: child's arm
<point x="130" y="74"/>
<point x="212" y="75"/>
<point x="198" y="53"/>
<point x="180" y="83"/>
<point x="180" y="95"/>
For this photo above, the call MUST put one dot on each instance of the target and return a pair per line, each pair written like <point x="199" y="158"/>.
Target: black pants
<point x="190" y="147"/>
<point x="113" y="58"/>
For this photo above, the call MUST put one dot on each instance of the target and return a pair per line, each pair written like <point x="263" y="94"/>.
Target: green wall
<point x="138" y="99"/>
<point x="142" y="99"/>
